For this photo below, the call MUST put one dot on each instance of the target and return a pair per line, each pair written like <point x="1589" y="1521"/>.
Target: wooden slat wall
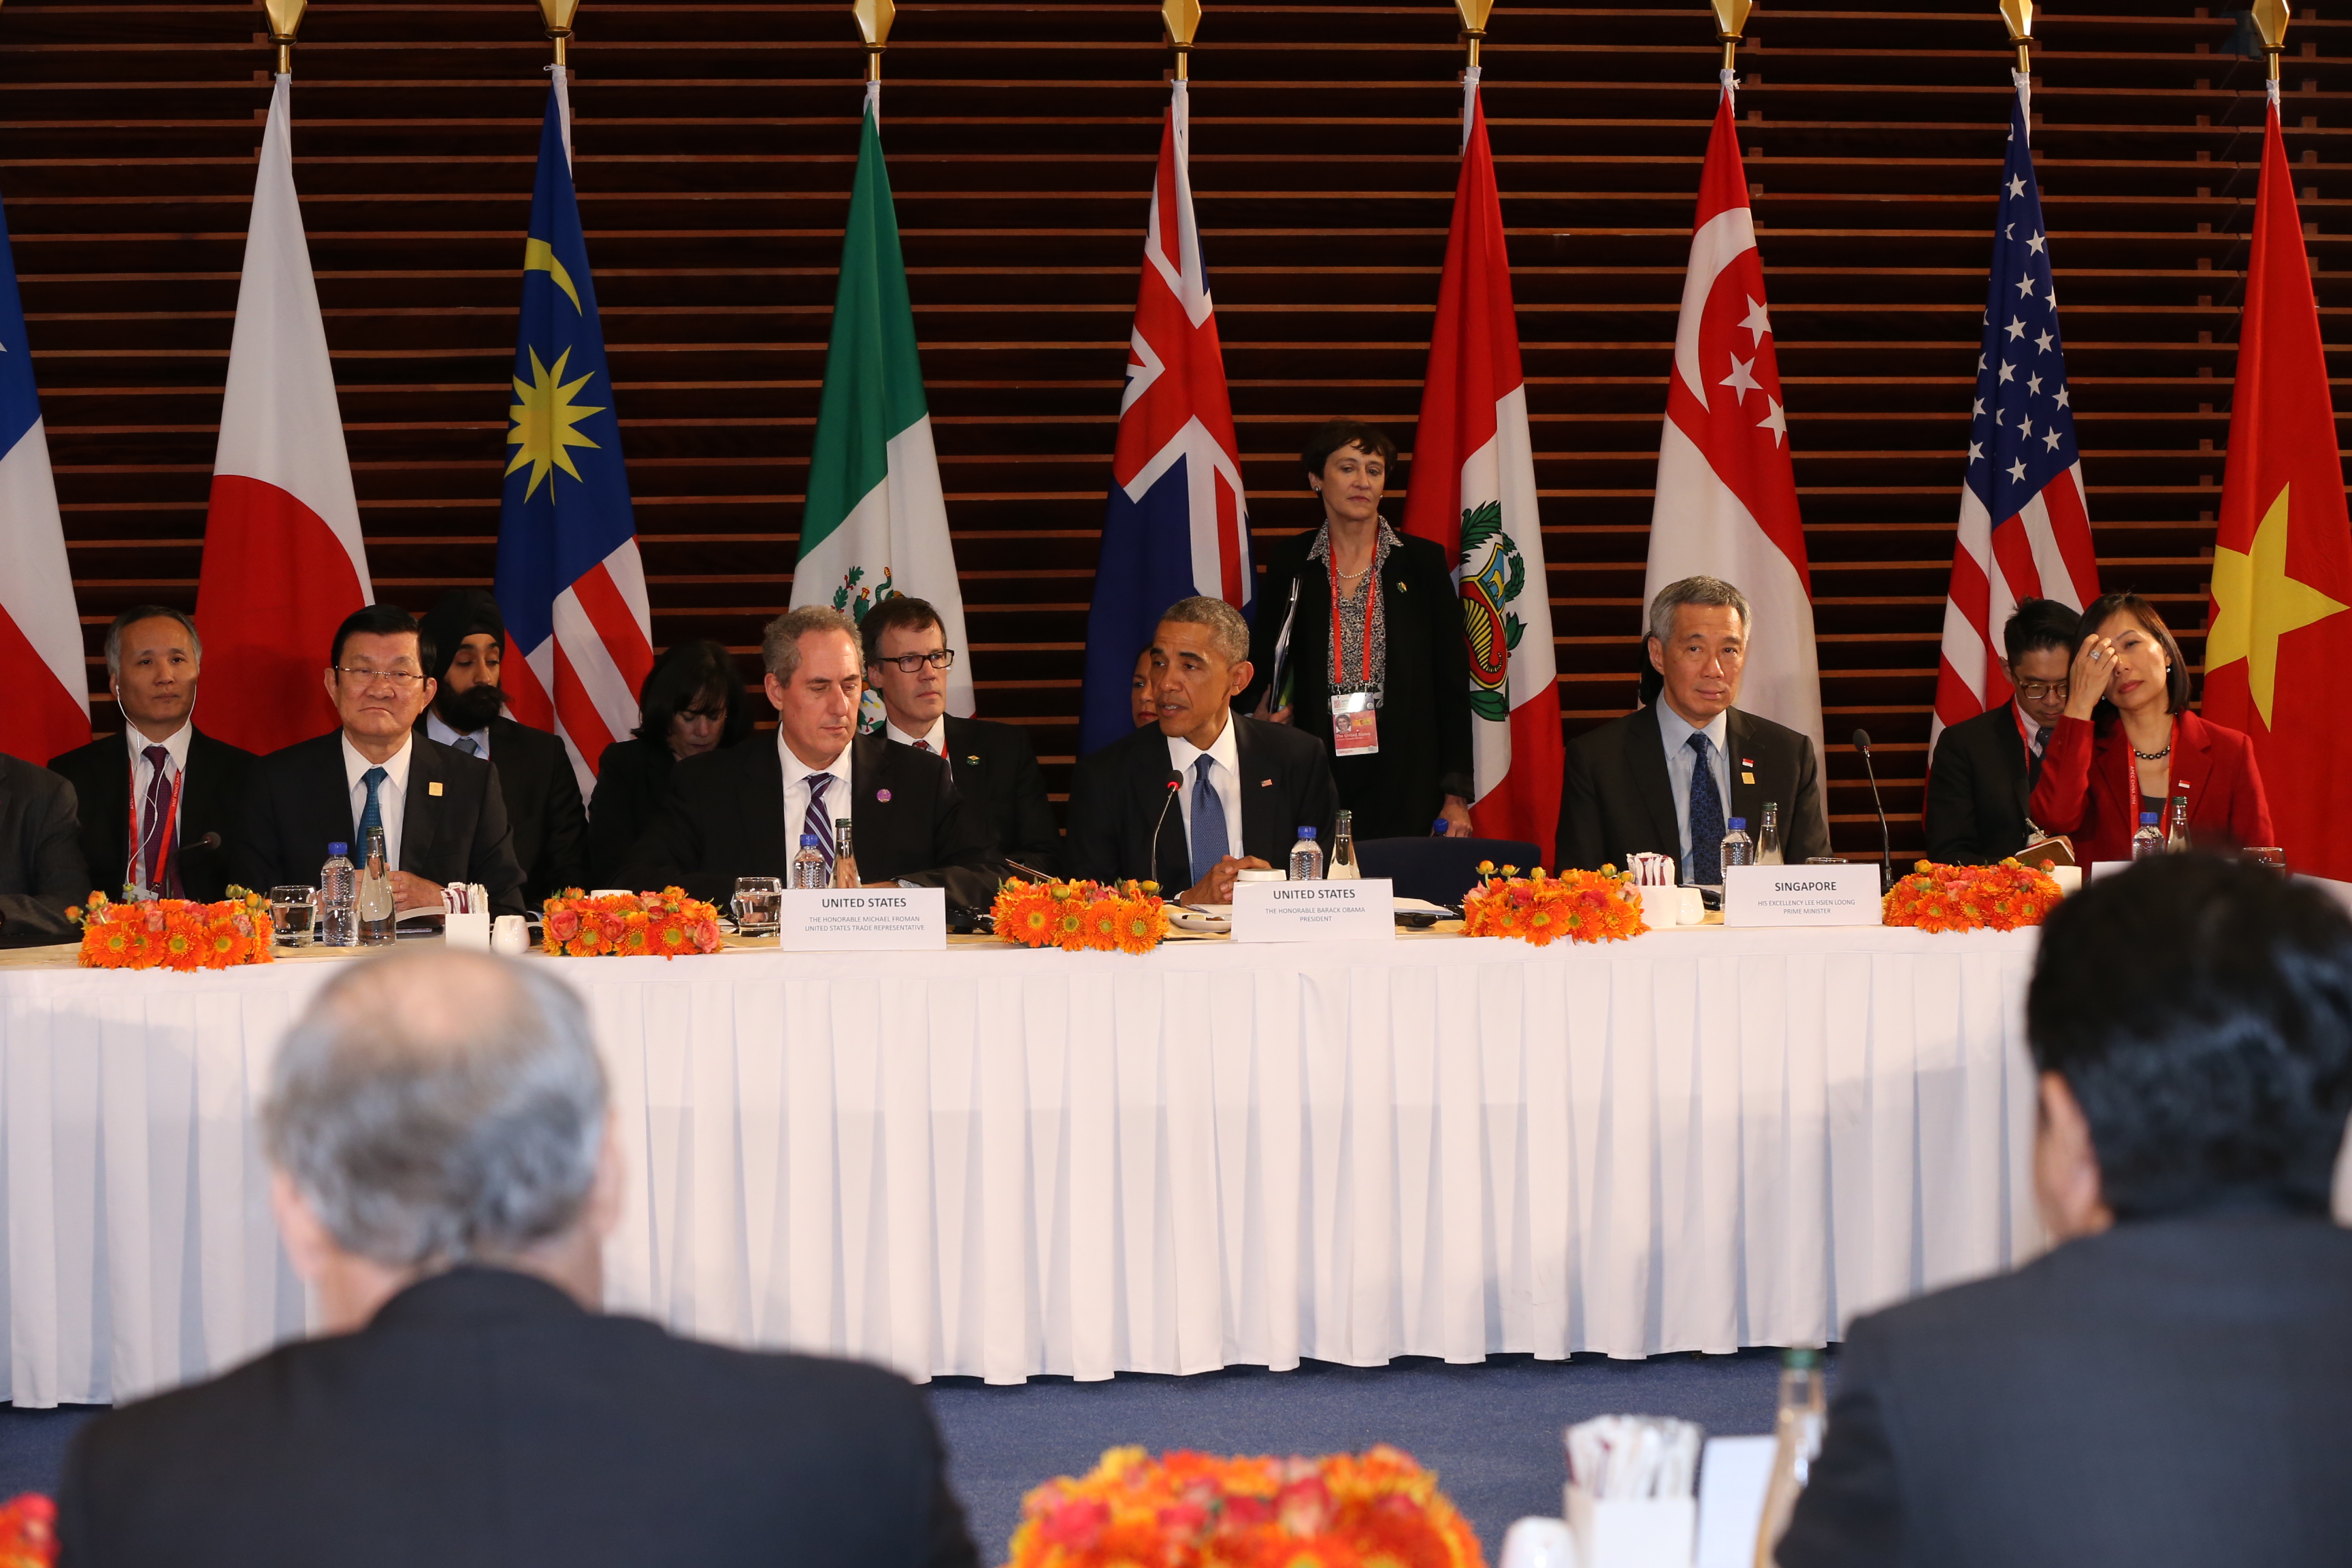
<point x="716" y="143"/>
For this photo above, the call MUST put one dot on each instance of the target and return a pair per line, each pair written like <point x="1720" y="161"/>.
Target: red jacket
<point x="2082" y="792"/>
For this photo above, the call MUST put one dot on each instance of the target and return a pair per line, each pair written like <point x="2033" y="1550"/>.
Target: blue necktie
<point x="1705" y="866"/>
<point x="817" y="819"/>
<point x="372" y="815"/>
<point x="470" y="746"/>
<point x="1209" y="837"/>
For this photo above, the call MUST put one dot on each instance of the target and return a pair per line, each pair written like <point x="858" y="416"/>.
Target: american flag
<point x="2024" y="530"/>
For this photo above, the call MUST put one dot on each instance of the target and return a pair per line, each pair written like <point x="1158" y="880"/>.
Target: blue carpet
<point x="33" y="1446"/>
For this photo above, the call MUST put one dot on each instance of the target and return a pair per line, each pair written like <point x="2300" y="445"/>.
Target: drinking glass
<point x="2269" y="855"/>
<point x="292" y="912"/>
<point x="758" y="901"/>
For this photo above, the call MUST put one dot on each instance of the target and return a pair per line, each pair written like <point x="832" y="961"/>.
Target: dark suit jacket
<point x="724" y="818"/>
<point x="2172" y="1394"/>
<point x="996" y="768"/>
<point x="1615" y="798"/>
<point x="299" y="804"/>
<point x="543" y="810"/>
<point x="484" y="1419"/>
<point x="211" y="801"/>
<point x="632" y="778"/>
<point x="41" y="870"/>
<point x="1977" y="790"/>
<point x="2083" y="791"/>
<point x="1120" y="792"/>
<point x="1424" y="715"/>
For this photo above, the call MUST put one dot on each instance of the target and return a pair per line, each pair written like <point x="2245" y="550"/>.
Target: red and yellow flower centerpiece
<point x="1538" y="908"/>
<point x="1375" y="1510"/>
<point x="1972" y="897"/>
<point x="629" y="925"/>
<point x="1104" y="916"/>
<point x="175" y="933"/>
<point x="28" y="1533"/>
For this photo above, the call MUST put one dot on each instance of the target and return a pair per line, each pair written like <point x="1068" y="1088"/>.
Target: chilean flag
<point x="283" y="558"/>
<point x="1178" y="523"/>
<point x="570" y="581"/>
<point x="41" y="664"/>
<point x="1726" y="496"/>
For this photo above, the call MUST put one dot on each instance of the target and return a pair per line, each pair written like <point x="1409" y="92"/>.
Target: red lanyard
<point x="164" y="853"/>
<point x="1371" y="610"/>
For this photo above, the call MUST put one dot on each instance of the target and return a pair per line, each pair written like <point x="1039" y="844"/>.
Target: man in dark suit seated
<point x="742" y="812"/>
<point x="1985" y="768"/>
<point x="2171" y="1386"/>
<point x="41" y="870"/>
<point x="159" y="805"/>
<point x="440" y="1131"/>
<point x="907" y="663"/>
<point x="443" y="818"/>
<point x="1206" y="792"/>
<point x="1667" y="779"/>
<point x="466" y="643"/>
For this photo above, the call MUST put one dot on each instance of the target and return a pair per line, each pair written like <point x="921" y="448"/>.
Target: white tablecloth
<point x="1001" y="1163"/>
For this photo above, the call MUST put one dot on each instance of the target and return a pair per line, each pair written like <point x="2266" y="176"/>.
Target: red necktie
<point x="924" y="747"/>
<point x="161" y="833"/>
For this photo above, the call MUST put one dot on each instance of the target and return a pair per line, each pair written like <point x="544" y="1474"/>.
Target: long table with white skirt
<point x="999" y="1162"/>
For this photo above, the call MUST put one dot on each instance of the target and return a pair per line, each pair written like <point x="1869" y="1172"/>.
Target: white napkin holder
<point x="1634" y="1533"/>
<point x="1661" y="905"/>
<point x="467" y="933"/>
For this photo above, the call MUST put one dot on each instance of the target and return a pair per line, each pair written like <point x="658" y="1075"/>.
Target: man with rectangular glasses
<point x="1985" y="768"/>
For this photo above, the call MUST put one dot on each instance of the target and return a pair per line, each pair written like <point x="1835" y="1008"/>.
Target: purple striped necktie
<point x="160" y="833"/>
<point x="817" y="819"/>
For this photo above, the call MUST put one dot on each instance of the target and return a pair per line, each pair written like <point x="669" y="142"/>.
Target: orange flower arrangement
<point x="175" y="933"/>
<point x="28" y="1531"/>
<point x="1375" y="1510"/>
<point x="1077" y="917"/>
<point x="629" y="925"/>
<point x="1971" y="897"/>
<point x="1581" y="906"/>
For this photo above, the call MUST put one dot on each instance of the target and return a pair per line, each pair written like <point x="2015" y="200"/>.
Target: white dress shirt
<point x="936" y="737"/>
<point x="437" y="731"/>
<point x="796" y="792"/>
<point x="143" y="775"/>
<point x="1224" y="777"/>
<point x="1681" y="766"/>
<point x="391" y="796"/>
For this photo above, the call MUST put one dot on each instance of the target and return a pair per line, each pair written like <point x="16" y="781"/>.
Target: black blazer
<point x="1120" y="791"/>
<point x="2171" y="1394"/>
<point x="724" y="818"/>
<point x="1424" y="716"/>
<point x="299" y="804"/>
<point x="211" y="801"/>
<point x="543" y="809"/>
<point x="483" y="1418"/>
<point x="1978" y="790"/>
<point x="41" y="870"/>
<point x="996" y="768"/>
<point x="1615" y="798"/>
<point x="631" y="777"/>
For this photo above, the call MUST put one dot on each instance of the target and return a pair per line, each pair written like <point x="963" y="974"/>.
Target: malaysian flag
<point x="1177" y="523"/>
<point x="2024" y="532"/>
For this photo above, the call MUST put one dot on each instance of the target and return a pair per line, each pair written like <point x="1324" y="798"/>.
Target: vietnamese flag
<point x="2279" y="635"/>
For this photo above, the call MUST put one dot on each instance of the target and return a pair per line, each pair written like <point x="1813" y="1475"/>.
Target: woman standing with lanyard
<point x="1357" y="642"/>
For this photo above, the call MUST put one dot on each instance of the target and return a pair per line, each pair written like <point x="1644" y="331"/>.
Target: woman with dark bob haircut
<point x="1375" y="668"/>
<point x="692" y="702"/>
<point x="2127" y="744"/>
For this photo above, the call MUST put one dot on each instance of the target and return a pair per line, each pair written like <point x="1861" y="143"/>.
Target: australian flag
<point x="570" y="583"/>
<point x="1177" y="524"/>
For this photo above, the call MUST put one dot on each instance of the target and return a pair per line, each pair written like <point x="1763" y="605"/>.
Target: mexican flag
<point x="876" y="524"/>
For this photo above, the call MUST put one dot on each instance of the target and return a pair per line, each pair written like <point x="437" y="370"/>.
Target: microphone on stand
<point x="209" y="841"/>
<point x="1175" y="784"/>
<point x="1886" y="845"/>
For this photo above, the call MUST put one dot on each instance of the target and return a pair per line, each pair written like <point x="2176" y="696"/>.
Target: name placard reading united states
<point x="862" y="920"/>
<point x="1316" y="911"/>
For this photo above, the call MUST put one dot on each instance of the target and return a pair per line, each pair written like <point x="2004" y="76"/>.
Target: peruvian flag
<point x="41" y="665"/>
<point x="283" y="560"/>
<point x="2279" y="635"/>
<point x="1727" y="498"/>
<point x="1474" y="494"/>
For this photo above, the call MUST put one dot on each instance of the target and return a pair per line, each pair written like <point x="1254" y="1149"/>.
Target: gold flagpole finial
<point x="558" y="22"/>
<point x="2019" y="15"/>
<point x="2270" y="20"/>
<point x="1473" y="24"/>
<point x="1183" y="19"/>
<point x="874" y="19"/>
<point x="1731" y="21"/>
<point x="285" y="21"/>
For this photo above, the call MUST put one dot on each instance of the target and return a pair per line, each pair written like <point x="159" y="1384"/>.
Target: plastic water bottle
<point x="1738" y="849"/>
<point x="1797" y="1431"/>
<point x="1768" y="841"/>
<point x="2148" y="842"/>
<point x="1307" y="858"/>
<point x="339" y="899"/>
<point x="1343" y="852"/>
<point x="808" y="866"/>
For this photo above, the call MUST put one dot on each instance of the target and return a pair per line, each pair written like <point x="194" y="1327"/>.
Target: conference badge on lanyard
<point x="1355" y="725"/>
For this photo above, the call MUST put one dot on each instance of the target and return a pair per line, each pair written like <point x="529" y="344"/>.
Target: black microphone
<point x="209" y="841"/>
<point x="1886" y="845"/>
<point x="1175" y="785"/>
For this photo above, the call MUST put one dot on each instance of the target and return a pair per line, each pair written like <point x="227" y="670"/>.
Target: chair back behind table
<point x="1441" y="870"/>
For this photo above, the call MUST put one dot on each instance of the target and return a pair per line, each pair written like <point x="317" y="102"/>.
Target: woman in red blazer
<point x="2127" y="744"/>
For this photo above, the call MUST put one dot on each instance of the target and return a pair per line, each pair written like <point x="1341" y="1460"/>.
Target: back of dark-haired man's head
<point x="2192" y="1019"/>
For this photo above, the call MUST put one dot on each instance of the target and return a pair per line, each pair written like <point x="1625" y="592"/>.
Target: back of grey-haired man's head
<point x="1228" y="632"/>
<point x="437" y="1107"/>
<point x="780" y="643"/>
<point x="1708" y="591"/>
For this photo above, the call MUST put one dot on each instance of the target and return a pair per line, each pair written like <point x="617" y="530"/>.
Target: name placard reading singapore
<point x="1316" y="911"/>
<point x="862" y="920"/>
<point x="1801" y="896"/>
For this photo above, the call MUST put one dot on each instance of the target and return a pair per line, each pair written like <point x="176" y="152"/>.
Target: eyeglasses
<point x="909" y="663"/>
<point x="402" y="679"/>
<point x="2040" y="691"/>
